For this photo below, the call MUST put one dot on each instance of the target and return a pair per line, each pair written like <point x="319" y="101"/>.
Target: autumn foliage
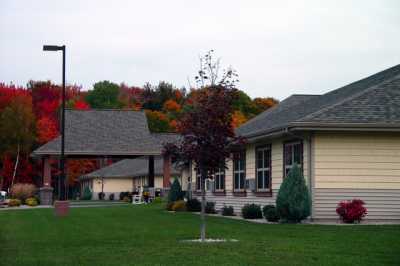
<point x="39" y="102"/>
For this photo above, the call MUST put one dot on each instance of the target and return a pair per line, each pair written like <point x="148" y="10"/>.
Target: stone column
<point x="46" y="192"/>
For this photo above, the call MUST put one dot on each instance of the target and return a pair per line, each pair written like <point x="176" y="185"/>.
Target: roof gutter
<point x="297" y="126"/>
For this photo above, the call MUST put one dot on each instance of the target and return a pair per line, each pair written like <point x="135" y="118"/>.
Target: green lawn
<point x="147" y="235"/>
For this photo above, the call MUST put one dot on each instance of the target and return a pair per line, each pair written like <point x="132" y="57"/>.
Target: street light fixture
<point x="63" y="191"/>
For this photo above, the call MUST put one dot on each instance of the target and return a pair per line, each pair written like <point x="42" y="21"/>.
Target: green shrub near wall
<point x="293" y="202"/>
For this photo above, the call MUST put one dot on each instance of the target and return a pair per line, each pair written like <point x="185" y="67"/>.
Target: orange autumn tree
<point x="172" y="106"/>
<point x="238" y="118"/>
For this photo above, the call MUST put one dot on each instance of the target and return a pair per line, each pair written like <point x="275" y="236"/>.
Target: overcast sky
<point x="278" y="47"/>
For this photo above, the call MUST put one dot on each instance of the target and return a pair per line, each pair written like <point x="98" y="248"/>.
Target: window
<point x="263" y="168"/>
<point x="239" y="171"/>
<point x="219" y="179"/>
<point x="198" y="180"/>
<point x="293" y="154"/>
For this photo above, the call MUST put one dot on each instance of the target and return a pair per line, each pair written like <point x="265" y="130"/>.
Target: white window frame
<point x="264" y="169"/>
<point x="287" y="167"/>
<point x="218" y="177"/>
<point x="240" y="172"/>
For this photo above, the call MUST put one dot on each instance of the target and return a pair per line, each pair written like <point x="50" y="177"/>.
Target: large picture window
<point x="219" y="179"/>
<point x="263" y="168"/>
<point x="239" y="171"/>
<point x="293" y="154"/>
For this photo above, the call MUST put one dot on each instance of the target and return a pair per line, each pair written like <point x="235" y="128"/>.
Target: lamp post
<point x="62" y="192"/>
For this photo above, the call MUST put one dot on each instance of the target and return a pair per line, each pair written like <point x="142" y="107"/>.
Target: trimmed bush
<point x="179" y="206"/>
<point x="123" y="194"/>
<point x="228" y="211"/>
<point x="87" y="194"/>
<point x="251" y="211"/>
<point x="169" y="205"/>
<point x="293" y="200"/>
<point x="101" y="195"/>
<point x="270" y="213"/>
<point x="111" y="196"/>
<point x="351" y="211"/>
<point x="22" y="191"/>
<point x="14" y="203"/>
<point x="175" y="193"/>
<point x="210" y="207"/>
<point x="31" y="202"/>
<point x="193" y="205"/>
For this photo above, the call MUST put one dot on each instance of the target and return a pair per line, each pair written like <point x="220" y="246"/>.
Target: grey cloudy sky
<point x="277" y="47"/>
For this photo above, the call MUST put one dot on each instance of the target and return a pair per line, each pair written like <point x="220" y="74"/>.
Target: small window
<point x="263" y="168"/>
<point x="239" y="171"/>
<point x="219" y="179"/>
<point x="293" y="154"/>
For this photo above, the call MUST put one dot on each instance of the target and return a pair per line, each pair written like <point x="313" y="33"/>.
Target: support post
<point x="151" y="171"/>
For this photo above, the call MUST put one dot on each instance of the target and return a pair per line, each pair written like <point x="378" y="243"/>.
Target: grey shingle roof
<point x="106" y="132"/>
<point x="372" y="100"/>
<point x="131" y="168"/>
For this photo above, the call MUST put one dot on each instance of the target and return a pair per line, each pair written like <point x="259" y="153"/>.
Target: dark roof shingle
<point x="371" y="100"/>
<point x="106" y="132"/>
<point x="131" y="168"/>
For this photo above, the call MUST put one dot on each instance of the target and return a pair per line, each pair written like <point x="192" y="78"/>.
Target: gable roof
<point x="129" y="168"/>
<point x="106" y="132"/>
<point x="374" y="100"/>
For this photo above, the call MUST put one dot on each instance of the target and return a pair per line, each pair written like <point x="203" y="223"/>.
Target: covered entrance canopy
<point x="107" y="134"/>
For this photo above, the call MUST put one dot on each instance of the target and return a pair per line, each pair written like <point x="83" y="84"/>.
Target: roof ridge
<point x="106" y="110"/>
<point x="346" y="99"/>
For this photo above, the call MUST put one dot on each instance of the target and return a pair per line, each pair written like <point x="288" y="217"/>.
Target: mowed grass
<point x="147" y="235"/>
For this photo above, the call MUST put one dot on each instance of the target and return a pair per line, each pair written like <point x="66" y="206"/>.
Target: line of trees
<point x="29" y="117"/>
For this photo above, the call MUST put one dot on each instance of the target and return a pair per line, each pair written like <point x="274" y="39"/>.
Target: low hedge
<point x="252" y="211"/>
<point x="193" y="205"/>
<point x="14" y="203"/>
<point x="228" y="211"/>
<point x="270" y="213"/>
<point x="179" y="206"/>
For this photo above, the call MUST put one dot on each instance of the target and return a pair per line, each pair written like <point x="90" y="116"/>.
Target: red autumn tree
<point x="76" y="168"/>
<point x="81" y="105"/>
<point x="206" y="127"/>
<point x="47" y="129"/>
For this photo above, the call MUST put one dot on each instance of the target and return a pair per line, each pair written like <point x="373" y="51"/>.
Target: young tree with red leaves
<point x="206" y="128"/>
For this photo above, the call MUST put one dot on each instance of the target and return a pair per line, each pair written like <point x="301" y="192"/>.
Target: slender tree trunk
<point x="203" y="207"/>
<point x="15" y="167"/>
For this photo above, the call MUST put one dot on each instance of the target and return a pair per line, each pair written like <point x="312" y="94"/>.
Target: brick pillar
<point x="46" y="173"/>
<point x="166" y="171"/>
<point x="46" y="192"/>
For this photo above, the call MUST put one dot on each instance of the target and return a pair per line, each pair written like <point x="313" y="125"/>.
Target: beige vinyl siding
<point x="357" y="165"/>
<point x="362" y="160"/>
<point x="112" y="185"/>
<point x="277" y="173"/>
